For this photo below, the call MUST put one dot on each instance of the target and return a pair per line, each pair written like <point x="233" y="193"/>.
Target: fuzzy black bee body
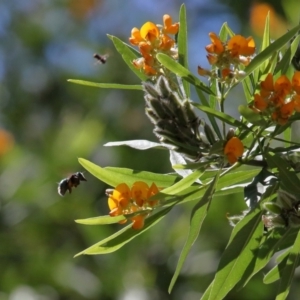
<point x="100" y="58"/>
<point x="67" y="184"/>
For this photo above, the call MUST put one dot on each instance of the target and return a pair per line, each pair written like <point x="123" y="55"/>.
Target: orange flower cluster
<point x="228" y="56"/>
<point x="124" y="200"/>
<point x="152" y="39"/>
<point x="233" y="149"/>
<point x="280" y="98"/>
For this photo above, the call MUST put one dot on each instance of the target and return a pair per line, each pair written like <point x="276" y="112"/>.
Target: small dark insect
<point x="296" y="59"/>
<point x="101" y="58"/>
<point x="67" y="184"/>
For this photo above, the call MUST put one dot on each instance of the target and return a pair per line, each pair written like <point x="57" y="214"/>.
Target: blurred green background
<point x="46" y="123"/>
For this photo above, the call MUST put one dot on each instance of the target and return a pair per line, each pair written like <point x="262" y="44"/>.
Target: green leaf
<point x="264" y="253"/>
<point x="128" y="54"/>
<point x="286" y="242"/>
<point x="289" y="270"/>
<point x="248" y="90"/>
<point x="181" y="71"/>
<point x="210" y="117"/>
<point x="114" y="176"/>
<point x="191" y="166"/>
<point x="288" y="177"/>
<point x="251" y="116"/>
<point x="273" y="207"/>
<point x="183" y="183"/>
<point x="107" y="85"/>
<point x="267" y="53"/>
<point x="287" y="134"/>
<point x="207" y="292"/>
<point x="137" y="144"/>
<point x="220" y="115"/>
<point x="102" y="220"/>
<point x="284" y="64"/>
<point x="124" y="236"/>
<point x="239" y="253"/>
<point x="264" y="45"/>
<point x="226" y="180"/>
<point x="198" y="215"/>
<point x="182" y="45"/>
<point x="275" y="273"/>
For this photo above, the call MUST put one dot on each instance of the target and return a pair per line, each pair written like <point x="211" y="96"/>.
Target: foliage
<point x="258" y="156"/>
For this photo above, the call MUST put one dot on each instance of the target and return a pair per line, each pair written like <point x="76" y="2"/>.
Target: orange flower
<point x="149" y="32"/>
<point x="282" y="114"/>
<point x="120" y="197"/>
<point x="217" y="46"/>
<point x="139" y="192"/>
<point x="135" y="38"/>
<point x="267" y="86"/>
<point x="203" y="72"/>
<point x="166" y="43"/>
<point x="124" y="200"/>
<point x="233" y="149"/>
<point x="212" y="59"/>
<point x="296" y="82"/>
<point x="260" y="103"/>
<point x="229" y="56"/>
<point x="280" y="99"/>
<point x="151" y="40"/>
<point x="153" y="190"/>
<point x="226" y="72"/>
<point x="148" y="70"/>
<point x="239" y="45"/>
<point x="282" y="85"/>
<point x="296" y="100"/>
<point x="287" y="109"/>
<point x="170" y="28"/>
<point x="138" y="222"/>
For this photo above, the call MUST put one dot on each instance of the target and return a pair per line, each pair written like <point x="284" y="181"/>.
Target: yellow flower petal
<point x="149" y="31"/>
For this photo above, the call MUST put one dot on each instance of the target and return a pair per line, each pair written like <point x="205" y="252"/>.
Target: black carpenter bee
<point x="67" y="183"/>
<point x="101" y="58"/>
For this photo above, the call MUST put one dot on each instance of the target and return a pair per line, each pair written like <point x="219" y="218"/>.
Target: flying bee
<point x="67" y="184"/>
<point x="101" y="58"/>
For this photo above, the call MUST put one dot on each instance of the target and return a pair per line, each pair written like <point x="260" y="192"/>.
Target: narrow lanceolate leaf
<point x="107" y="85"/>
<point x="102" y="220"/>
<point x="251" y="116"/>
<point x="276" y="273"/>
<point x="136" y="144"/>
<point x="238" y="255"/>
<point x="268" y="52"/>
<point x="182" y="46"/>
<point x="286" y="60"/>
<point x="220" y="115"/>
<point x="114" y="176"/>
<point x="248" y="89"/>
<point x="128" y="54"/>
<point x="197" y="217"/>
<point x="124" y="236"/>
<point x="265" y="43"/>
<point x="289" y="270"/>
<point x="183" y="72"/>
<point x="183" y="183"/>
<point x="288" y="177"/>
<point x="264" y="253"/>
<point x="212" y="120"/>
<point x="206" y="294"/>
